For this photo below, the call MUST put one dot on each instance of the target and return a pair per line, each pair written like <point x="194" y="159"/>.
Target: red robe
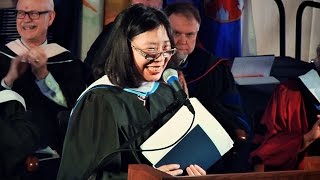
<point x="286" y="121"/>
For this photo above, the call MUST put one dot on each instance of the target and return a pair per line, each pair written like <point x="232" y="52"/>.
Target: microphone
<point x="170" y="76"/>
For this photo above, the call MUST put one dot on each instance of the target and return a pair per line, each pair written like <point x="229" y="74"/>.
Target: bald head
<point x="151" y="3"/>
<point x="48" y="3"/>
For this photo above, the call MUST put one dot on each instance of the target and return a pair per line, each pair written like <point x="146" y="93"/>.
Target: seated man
<point x="18" y="136"/>
<point x="46" y="75"/>
<point x="209" y="80"/>
<point x="292" y="124"/>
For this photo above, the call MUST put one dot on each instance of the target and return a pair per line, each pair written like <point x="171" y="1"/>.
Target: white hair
<point x="50" y="4"/>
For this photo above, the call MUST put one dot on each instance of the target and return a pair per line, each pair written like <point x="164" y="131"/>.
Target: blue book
<point x="203" y="153"/>
<point x="203" y="145"/>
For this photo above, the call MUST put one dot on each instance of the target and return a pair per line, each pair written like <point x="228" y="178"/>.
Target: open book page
<point x="253" y="70"/>
<point x="206" y="142"/>
<point x="312" y="81"/>
<point x="256" y="80"/>
<point x="252" y="66"/>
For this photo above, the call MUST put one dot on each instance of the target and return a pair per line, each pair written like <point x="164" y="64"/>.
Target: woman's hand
<point x="172" y="169"/>
<point x="195" y="170"/>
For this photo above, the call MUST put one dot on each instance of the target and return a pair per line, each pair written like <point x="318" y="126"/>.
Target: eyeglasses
<point x="152" y="57"/>
<point x="33" y="15"/>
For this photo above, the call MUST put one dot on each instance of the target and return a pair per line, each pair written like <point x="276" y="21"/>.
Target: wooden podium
<point x="145" y="172"/>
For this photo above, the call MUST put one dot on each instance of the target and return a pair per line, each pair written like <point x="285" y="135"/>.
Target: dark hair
<point x="118" y="55"/>
<point x="185" y="9"/>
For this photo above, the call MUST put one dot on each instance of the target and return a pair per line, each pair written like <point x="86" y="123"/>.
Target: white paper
<point x="49" y="151"/>
<point x="312" y="81"/>
<point x="178" y="125"/>
<point x="256" y="80"/>
<point x="253" y="70"/>
<point x="252" y="66"/>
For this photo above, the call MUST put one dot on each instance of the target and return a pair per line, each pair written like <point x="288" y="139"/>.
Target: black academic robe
<point x="102" y="121"/>
<point x="211" y="81"/>
<point x="18" y="138"/>
<point x="71" y="78"/>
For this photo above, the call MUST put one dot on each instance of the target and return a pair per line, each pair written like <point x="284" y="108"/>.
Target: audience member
<point x="121" y="103"/>
<point x="210" y="80"/>
<point x="292" y="124"/>
<point x="46" y="75"/>
<point x="98" y="45"/>
<point x="18" y="136"/>
<point x="316" y="60"/>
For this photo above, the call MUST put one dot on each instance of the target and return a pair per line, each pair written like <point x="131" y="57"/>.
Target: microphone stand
<point x="107" y="159"/>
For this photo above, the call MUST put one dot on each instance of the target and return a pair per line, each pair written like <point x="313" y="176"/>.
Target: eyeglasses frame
<point x="38" y="13"/>
<point x="148" y="56"/>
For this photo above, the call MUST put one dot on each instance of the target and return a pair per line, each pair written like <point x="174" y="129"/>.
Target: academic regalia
<point x="103" y="119"/>
<point x="18" y="136"/>
<point x="69" y="74"/>
<point x="287" y="118"/>
<point x="210" y="80"/>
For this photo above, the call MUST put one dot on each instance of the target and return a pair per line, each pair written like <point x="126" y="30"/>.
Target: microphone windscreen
<point x="168" y="74"/>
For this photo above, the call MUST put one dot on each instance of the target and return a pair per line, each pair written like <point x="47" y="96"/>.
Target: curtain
<point x="96" y="14"/>
<point x="266" y="24"/>
<point x="248" y="35"/>
<point x="65" y="29"/>
<point x="92" y="23"/>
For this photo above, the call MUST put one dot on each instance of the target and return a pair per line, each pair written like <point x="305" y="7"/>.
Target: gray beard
<point x="178" y="59"/>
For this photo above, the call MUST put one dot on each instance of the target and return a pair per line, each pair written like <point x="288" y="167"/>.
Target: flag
<point x="248" y="35"/>
<point x="220" y="30"/>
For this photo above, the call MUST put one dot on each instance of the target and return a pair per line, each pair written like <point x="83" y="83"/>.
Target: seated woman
<point x="120" y="104"/>
<point x="18" y="136"/>
<point x="292" y="124"/>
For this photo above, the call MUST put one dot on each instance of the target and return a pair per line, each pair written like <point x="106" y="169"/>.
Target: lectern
<point x="145" y="172"/>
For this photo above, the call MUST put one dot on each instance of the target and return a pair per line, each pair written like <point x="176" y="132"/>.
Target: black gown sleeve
<point x="219" y="94"/>
<point x="101" y="123"/>
<point x="92" y="134"/>
<point x="18" y="137"/>
<point x="72" y="77"/>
